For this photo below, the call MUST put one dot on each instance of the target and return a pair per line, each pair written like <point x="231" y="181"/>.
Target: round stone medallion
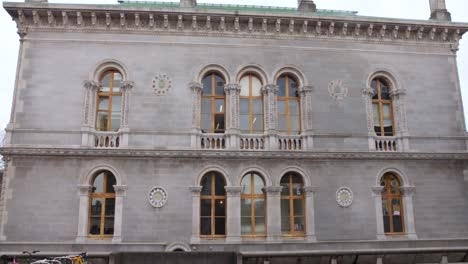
<point x="157" y="197"/>
<point x="344" y="197"/>
<point x="162" y="85"/>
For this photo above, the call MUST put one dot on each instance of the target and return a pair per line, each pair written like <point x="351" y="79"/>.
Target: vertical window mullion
<point x="252" y="206"/>
<point x="291" y="206"/>
<point x="213" y="103"/>
<point x="213" y="201"/>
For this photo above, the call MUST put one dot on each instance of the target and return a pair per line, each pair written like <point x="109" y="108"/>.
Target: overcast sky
<point x="414" y="9"/>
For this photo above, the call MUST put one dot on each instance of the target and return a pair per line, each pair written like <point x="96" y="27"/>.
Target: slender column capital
<point x="120" y="190"/>
<point x="397" y="92"/>
<point x="22" y="32"/>
<point x="233" y="191"/>
<point x="196" y="87"/>
<point x="127" y="85"/>
<point x="367" y="92"/>
<point x="232" y="88"/>
<point x="310" y="190"/>
<point x="377" y="190"/>
<point x="270" y="88"/>
<point x="273" y="190"/>
<point x="306" y="90"/>
<point x="84" y="189"/>
<point x="195" y="190"/>
<point x="91" y="85"/>
<point x="408" y="191"/>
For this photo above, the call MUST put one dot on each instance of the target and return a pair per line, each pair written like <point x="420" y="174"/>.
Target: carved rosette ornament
<point x="344" y="197"/>
<point x="162" y="85"/>
<point x="157" y="197"/>
<point x="337" y="90"/>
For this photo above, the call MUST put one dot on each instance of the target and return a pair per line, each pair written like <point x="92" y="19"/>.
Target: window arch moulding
<point x="376" y="99"/>
<point x="98" y="92"/>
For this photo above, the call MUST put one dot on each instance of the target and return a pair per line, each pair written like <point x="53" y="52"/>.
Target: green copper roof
<point x="252" y="8"/>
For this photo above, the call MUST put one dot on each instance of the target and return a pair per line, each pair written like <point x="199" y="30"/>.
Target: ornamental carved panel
<point x="162" y="85"/>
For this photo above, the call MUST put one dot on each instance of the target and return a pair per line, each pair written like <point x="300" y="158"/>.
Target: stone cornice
<point x="122" y="19"/>
<point x="135" y="153"/>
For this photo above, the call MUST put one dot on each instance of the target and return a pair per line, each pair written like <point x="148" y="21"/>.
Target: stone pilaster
<point x="377" y="196"/>
<point x="120" y="191"/>
<point x="83" y="192"/>
<point x="410" y="227"/>
<point x="233" y="219"/>
<point x="305" y="94"/>
<point x="273" y="212"/>
<point x="270" y="92"/>
<point x="126" y="87"/>
<point x="232" y="114"/>
<point x="197" y="89"/>
<point x="89" y="111"/>
<point x="401" y="126"/>
<point x="310" y="212"/>
<point x="195" y="190"/>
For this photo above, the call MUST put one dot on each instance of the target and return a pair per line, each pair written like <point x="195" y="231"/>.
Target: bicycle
<point x="71" y="259"/>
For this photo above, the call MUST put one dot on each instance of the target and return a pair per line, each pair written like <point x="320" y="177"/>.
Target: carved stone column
<point x="120" y="191"/>
<point x="401" y="125"/>
<point x="197" y="89"/>
<point x="233" y="219"/>
<point x="89" y="112"/>
<point x="305" y="94"/>
<point x="410" y="227"/>
<point x="126" y="92"/>
<point x="367" y="94"/>
<point x="377" y="196"/>
<point x="273" y="212"/>
<point x="232" y="114"/>
<point x="270" y="92"/>
<point x="83" y="192"/>
<point x="310" y="212"/>
<point x="195" y="190"/>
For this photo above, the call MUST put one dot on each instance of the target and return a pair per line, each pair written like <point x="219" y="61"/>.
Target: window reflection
<point x="212" y="206"/>
<point x="392" y="205"/>
<point x="102" y="206"/>
<point x="288" y="105"/>
<point x="292" y="205"/>
<point x="213" y="105"/>
<point x="108" y="112"/>
<point x="252" y="206"/>
<point x="251" y="104"/>
<point x="382" y="108"/>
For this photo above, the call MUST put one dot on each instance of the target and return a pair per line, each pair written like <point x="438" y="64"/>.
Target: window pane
<point x="296" y="178"/>
<point x="386" y="110"/>
<point x="109" y="226"/>
<point x="386" y="224"/>
<point x="117" y="82"/>
<point x="384" y="90"/>
<point x="294" y="120"/>
<point x="205" y="226"/>
<point x="260" y="225"/>
<point x="207" y="85"/>
<point x="244" y="83"/>
<point x="259" y="207"/>
<point x="244" y="106"/>
<point x="219" y="89"/>
<point x="105" y="83"/>
<point x="244" y="123"/>
<point x="116" y="103"/>
<point x="246" y="207"/>
<point x="98" y="185"/>
<point x="293" y="107"/>
<point x="292" y="89"/>
<point x="282" y="86"/>
<point x="220" y="226"/>
<point x="102" y="121"/>
<point x="246" y="225"/>
<point x="285" y="189"/>
<point x="257" y="123"/>
<point x="285" y="217"/>
<point x="206" y="185"/>
<point x="110" y="184"/>
<point x="397" y="224"/>
<point x="220" y="207"/>
<point x="298" y="207"/>
<point x="396" y="207"/>
<point x="258" y="184"/>
<point x="257" y="106"/>
<point x="247" y="184"/>
<point x="375" y="112"/>
<point x="374" y="89"/>
<point x="206" y="106"/>
<point x="220" y="105"/>
<point x="110" y="207"/>
<point x="256" y="86"/>
<point x="96" y="207"/>
<point x="206" y="122"/>
<point x="115" y="121"/>
<point x="219" y="186"/>
<point x="205" y="205"/>
<point x="103" y="103"/>
<point x="299" y="224"/>
<point x="282" y="124"/>
<point x="219" y="123"/>
<point x="281" y="107"/>
<point x="95" y="226"/>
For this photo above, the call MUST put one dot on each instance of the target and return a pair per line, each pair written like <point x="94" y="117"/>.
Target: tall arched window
<point x="288" y="105"/>
<point x="252" y="206"/>
<point x="109" y="103"/>
<point x="102" y="206"/>
<point x="213" y="105"/>
<point x="213" y="206"/>
<point x="392" y="205"/>
<point x="382" y="108"/>
<point x="292" y="205"/>
<point x="251" y="104"/>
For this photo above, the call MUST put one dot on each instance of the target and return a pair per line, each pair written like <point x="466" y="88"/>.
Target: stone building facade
<point x="279" y="135"/>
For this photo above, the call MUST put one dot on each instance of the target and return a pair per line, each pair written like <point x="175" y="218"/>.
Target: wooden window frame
<point x="252" y="196"/>
<point x="213" y="97"/>
<point x="380" y="102"/>
<point x="287" y="99"/>
<point x="291" y="197"/>
<point x="109" y="95"/>
<point x="388" y="197"/>
<point x="213" y="197"/>
<point x="104" y="196"/>
<point x="251" y="99"/>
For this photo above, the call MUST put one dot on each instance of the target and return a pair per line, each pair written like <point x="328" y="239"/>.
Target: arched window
<point x="382" y="108"/>
<point x="213" y="206"/>
<point x="288" y="105"/>
<point x="102" y="206"/>
<point x="292" y="205"/>
<point x="213" y="106"/>
<point x="251" y="104"/>
<point x="109" y="104"/>
<point x="392" y="205"/>
<point x="252" y="206"/>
